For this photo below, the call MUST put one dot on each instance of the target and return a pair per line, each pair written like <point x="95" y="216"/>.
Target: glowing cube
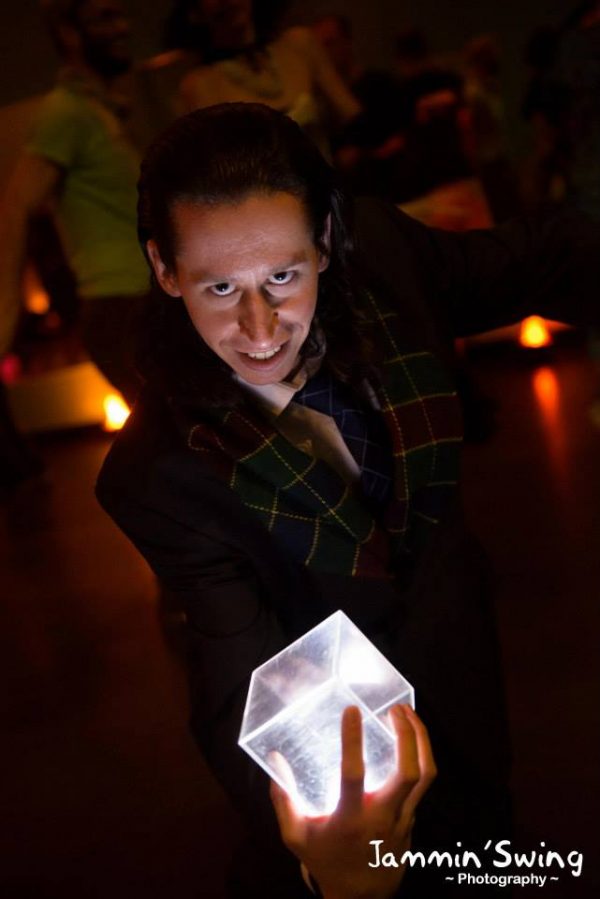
<point x="294" y="708"/>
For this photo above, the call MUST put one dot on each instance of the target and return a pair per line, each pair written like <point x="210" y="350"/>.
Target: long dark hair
<point x="222" y="154"/>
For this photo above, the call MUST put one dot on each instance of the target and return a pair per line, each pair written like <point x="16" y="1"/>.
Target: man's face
<point x="104" y="32"/>
<point x="229" y="22"/>
<point x="248" y="273"/>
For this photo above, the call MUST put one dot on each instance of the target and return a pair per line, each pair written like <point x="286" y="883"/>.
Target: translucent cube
<point x="295" y="703"/>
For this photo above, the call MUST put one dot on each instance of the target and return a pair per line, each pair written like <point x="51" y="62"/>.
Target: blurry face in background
<point x="336" y="43"/>
<point x="229" y="22"/>
<point x="248" y="274"/>
<point x="105" y="33"/>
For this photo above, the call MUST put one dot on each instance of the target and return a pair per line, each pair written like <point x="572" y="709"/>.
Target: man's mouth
<point x="267" y="354"/>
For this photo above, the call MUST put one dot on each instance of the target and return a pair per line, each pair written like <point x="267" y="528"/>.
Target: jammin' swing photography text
<point x="536" y="867"/>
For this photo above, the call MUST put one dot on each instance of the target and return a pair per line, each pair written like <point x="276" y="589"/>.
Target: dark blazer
<point x="246" y="597"/>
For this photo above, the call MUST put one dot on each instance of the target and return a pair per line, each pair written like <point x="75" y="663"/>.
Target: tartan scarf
<point x="306" y="506"/>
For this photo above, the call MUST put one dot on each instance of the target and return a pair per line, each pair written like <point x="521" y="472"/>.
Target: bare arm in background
<point x="33" y="183"/>
<point x="342" y="101"/>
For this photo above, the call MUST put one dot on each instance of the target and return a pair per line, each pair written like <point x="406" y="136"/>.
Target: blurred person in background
<point x="545" y="107"/>
<point x="375" y="89"/>
<point x="579" y="69"/>
<point x="79" y="162"/>
<point x="196" y="33"/>
<point x="248" y="58"/>
<point x="486" y="126"/>
<point x="427" y="82"/>
<point x="18" y="462"/>
<point x="376" y="133"/>
<point x="431" y="100"/>
<point x="156" y="80"/>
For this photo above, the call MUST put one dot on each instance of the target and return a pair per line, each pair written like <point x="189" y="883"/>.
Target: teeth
<point x="266" y="355"/>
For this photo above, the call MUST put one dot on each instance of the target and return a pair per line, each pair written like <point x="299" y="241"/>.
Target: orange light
<point x="37" y="300"/>
<point x="534" y="332"/>
<point x="545" y="386"/>
<point x="116" y="412"/>
<point x="547" y="391"/>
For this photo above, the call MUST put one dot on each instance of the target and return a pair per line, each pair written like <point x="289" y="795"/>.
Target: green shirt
<point x="96" y="208"/>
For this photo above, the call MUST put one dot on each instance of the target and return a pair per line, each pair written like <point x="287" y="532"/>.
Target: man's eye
<point x="282" y="277"/>
<point x="223" y="289"/>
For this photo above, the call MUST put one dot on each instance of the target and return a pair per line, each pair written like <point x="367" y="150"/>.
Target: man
<point x="296" y="450"/>
<point x="79" y="161"/>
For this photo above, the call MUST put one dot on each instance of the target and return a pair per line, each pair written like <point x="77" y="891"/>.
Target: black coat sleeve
<point x="475" y="281"/>
<point x="173" y="513"/>
<point x="231" y="626"/>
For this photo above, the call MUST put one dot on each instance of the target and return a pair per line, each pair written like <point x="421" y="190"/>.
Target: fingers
<point x="353" y="766"/>
<point x="426" y="762"/>
<point x="415" y="765"/>
<point x="401" y="794"/>
<point x="284" y="772"/>
<point x="283" y="806"/>
<point x="398" y="787"/>
<point x="287" y="816"/>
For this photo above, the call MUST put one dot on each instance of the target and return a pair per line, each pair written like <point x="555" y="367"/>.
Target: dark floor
<point x="102" y="791"/>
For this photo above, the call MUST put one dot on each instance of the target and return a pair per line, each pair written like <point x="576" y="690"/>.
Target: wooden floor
<point x="102" y="791"/>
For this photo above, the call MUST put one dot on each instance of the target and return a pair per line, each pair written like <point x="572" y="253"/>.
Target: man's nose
<point x="257" y="319"/>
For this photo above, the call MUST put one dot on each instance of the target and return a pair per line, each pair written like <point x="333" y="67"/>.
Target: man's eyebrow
<point x="296" y="259"/>
<point x="200" y="276"/>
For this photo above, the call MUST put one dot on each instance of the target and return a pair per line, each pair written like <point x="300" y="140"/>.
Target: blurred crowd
<point x="428" y="133"/>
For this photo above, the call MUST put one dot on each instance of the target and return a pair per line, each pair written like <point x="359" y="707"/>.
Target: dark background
<point x="448" y="23"/>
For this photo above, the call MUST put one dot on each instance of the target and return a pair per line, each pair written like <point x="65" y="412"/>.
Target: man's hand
<point x="336" y="849"/>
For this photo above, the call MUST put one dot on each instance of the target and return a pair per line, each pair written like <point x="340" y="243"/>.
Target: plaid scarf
<point x="307" y="507"/>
